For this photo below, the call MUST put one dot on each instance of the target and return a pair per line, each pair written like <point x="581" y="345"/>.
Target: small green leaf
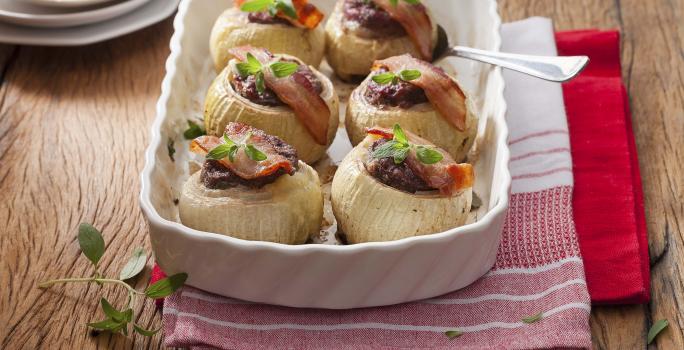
<point x="260" y="83"/>
<point x="401" y="154"/>
<point x="412" y="2"/>
<point x="145" y="332"/>
<point x="232" y="152"/>
<point x="657" y="327"/>
<point x="284" y="69"/>
<point x="534" y="318"/>
<point x="453" y="334"/>
<point x="193" y="131"/>
<point x="170" y="148"/>
<point x="399" y="134"/>
<point x="384" y="78"/>
<point x="106" y="325"/>
<point x="256" y="5"/>
<point x="219" y="152"/>
<point x="111" y="312"/>
<point x="91" y="242"/>
<point x="228" y="141"/>
<point x="253" y="61"/>
<point x="166" y="286"/>
<point x="409" y="74"/>
<point x="134" y="265"/>
<point x="128" y="315"/>
<point x="286" y="7"/>
<point x="254" y="154"/>
<point x="385" y="150"/>
<point x="427" y="155"/>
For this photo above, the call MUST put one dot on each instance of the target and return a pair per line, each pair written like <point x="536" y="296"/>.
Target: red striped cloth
<point x="538" y="267"/>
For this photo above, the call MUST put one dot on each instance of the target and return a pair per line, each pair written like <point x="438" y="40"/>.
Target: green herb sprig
<point x="533" y="318"/>
<point x="193" y="131"/>
<point x="399" y="147"/>
<point x="93" y="247"/>
<point x="411" y="2"/>
<point x="453" y="334"/>
<point x="230" y="148"/>
<point x="657" y="327"/>
<point x="272" y="6"/>
<point x="252" y="66"/>
<point x="393" y="78"/>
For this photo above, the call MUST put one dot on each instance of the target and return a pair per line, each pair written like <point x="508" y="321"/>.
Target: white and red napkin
<point x="538" y="267"/>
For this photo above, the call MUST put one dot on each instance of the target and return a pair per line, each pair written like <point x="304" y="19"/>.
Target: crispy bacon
<point x="446" y="175"/>
<point x="442" y="91"/>
<point x="297" y="93"/>
<point x="416" y="22"/>
<point x="308" y="15"/>
<point x="243" y="166"/>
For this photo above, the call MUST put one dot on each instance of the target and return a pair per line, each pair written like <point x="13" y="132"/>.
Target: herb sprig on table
<point x="252" y="66"/>
<point x="118" y="321"/>
<point x="399" y="147"/>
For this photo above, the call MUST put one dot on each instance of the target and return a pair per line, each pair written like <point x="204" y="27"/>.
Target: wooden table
<point x="74" y="123"/>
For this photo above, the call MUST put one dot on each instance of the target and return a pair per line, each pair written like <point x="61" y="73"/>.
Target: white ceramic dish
<point x="22" y="13"/>
<point x="67" y="3"/>
<point x="148" y="14"/>
<point x="318" y="275"/>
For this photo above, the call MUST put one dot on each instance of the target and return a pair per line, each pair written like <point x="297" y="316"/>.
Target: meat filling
<point x="246" y="87"/>
<point x="374" y="21"/>
<point x="401" y="94"/>
<point x="398" y="176"/>
<point x="265" y="18"/>
<point x="217" y="177"/>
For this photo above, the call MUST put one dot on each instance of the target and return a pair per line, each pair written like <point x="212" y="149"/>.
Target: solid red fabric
<point x="608" y="198"/>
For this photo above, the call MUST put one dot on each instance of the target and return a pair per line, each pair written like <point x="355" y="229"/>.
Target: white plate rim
<point x="73" y="19"/>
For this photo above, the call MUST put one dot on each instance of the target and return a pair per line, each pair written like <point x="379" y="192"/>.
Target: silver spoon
<point x="552" y="68"/>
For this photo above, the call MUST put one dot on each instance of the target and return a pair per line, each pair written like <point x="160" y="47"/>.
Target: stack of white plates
<point x="77" y="22"/>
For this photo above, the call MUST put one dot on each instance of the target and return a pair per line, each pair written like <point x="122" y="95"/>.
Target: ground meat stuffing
<point x="376" y="21"/>
<point x="246" y="86"/>
<point x="217" y="177"/>
<point x="402" y="94"/>
<point x="265" y="18"/>
<point x="398" y="176"/>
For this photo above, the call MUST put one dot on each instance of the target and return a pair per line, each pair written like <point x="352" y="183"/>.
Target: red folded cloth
<point x="608" y="197"/>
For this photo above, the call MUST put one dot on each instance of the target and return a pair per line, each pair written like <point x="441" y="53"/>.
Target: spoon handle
<point x="552" y="68"/>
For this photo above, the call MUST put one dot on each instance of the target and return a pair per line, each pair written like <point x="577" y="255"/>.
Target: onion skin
<point x="223" y="105"/>
<point x="233" y="29"/>
<point x="286" y="211"/>
<point x="370" y="211"/>
<point x="421" y="119"/>
<point x="350" y="55"/>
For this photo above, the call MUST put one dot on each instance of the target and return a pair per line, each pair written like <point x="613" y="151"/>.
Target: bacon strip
<point x="307" y="104"/>
<point x="308" y="15"/>
<point x="446" y="175"/>
<point x="242" y="165"/>
<point x="416" y="22"/>
<point x="442" y="91"/>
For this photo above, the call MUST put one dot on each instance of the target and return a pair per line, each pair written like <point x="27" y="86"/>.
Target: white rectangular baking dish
<point x="317" y="275"/>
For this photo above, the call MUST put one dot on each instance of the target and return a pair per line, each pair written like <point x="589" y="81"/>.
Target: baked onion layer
<point x="233" y="29"/>
<point x="421" y="119"/>
<point x="369" y="211"/>
<point x="350" y="55"/>
<point x="286" y="211"/>
<point x="223" y="105"/>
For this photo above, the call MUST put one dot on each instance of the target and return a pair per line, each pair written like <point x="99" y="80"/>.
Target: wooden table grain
<point x="74" y="123"/>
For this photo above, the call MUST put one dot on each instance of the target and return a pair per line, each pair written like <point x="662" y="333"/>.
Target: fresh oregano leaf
<point x="385" y="150"/>
<point x="256" y="5"/>
<point x="166" y="286"/>
<point x="284" y="69"/>
<point x="91" y="242"/>
<point x="145" y="332"/>
<point x="219" y="152"/>
<point x="251" y="66"/>
<point x="254" y="154"/>
<point x="534" y="318"/>
<point x="657" y="327"/>
<point x="399" y="134"/>
<point x="232" y="152"/>
<point x="384" y="78"/>
<point x="286" y="7"/>
<point x="428" y="155"/>
<point x="134" y="265"/>
<point x="128" y="315"/>
<point x="453" y="334"/>
<point x="193" y="131"/>
<point x="409" y="74"/>
<point x="111" y="312"/>
<point x="412" y="2"/>
<point x="401" y="154"/>
<point x="107" y="325"/>
<point x="260" y="83"/>
<point x="228" y="141"/>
